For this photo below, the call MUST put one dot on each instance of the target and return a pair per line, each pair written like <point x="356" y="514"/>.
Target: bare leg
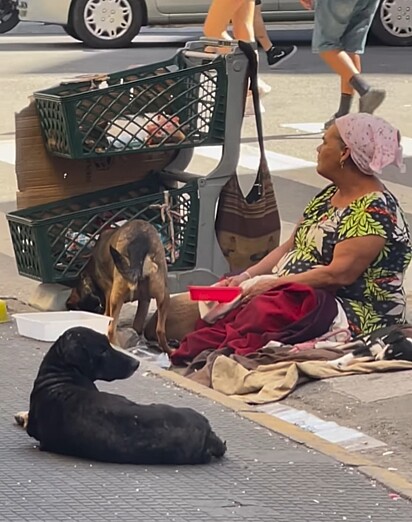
<point x="346" y="65"/>
<point x="243" y="21"/>
<point x="342" y="64"/>
<point x="261" y="34"/>
<point x="222" y="12"/>
<point x="356" y="59"/>
<point x="348" y="68"/>
<point x="275" y="54"/>
<point x="346" y="87"/>
<point x="218" y="18"/>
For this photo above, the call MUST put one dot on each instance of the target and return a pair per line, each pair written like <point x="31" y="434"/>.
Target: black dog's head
<point x="397" y="346"/>
<point x="86" y="296"/>
<point x="90" y="354"/>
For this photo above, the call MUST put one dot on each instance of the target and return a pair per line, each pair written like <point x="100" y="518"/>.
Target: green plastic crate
<point x="52" y="242"/>
<point x="83" y="120"/>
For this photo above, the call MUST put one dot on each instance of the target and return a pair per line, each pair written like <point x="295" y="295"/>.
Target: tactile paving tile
<point x="264" y="477"/>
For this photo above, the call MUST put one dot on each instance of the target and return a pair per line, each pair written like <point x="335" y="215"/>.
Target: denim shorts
<point x="342" y="25"/>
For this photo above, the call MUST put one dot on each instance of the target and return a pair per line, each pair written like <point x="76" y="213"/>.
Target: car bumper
<point x="47" y="11"/>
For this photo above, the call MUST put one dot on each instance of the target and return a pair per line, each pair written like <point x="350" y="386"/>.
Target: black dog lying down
<point x="69" y="415"/>
<point x="386" y="344"/>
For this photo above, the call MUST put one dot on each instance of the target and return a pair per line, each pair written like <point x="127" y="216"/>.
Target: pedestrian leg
<point x="275" y="54"/>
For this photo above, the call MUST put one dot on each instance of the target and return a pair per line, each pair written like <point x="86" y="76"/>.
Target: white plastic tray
<point x="48" y="326"/>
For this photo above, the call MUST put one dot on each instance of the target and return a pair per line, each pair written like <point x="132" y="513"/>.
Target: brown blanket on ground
<point x="200" y="369"/>
<point x="254" y="381"/>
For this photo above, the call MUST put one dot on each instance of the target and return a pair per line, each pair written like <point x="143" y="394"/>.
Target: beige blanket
<point x="273" y="382"/>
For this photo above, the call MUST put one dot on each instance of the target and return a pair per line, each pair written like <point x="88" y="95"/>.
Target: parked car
<point x="9" y="15"/>
<point x="114" y="23"/>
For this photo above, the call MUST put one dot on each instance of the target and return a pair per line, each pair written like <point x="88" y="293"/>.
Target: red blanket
<point x="289" y="313"/>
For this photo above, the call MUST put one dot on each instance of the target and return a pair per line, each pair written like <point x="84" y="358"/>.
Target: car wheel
<point x="393" y="22"/>
<point x="9" y="17"/>
<point x="107" y="24"/>
<point x="71" y="32"/>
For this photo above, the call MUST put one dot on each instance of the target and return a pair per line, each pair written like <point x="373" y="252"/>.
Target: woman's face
<point x="331" y="153"/>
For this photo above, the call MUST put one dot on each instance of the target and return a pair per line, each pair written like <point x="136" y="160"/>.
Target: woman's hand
<point x="234" y="280"/>
<point x="262" y="285"/>
<point x="307" y="4"/>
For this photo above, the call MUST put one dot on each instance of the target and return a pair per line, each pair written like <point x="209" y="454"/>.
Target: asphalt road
<point x="304" y="90"/>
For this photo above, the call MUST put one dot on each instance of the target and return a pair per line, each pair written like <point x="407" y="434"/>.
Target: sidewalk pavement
<point x="265" y="476"/>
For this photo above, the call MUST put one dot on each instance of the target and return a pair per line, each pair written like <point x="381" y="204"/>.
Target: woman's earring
<point x="342" y="164"/>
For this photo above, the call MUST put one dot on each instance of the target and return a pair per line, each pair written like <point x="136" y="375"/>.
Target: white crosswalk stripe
<point x="8" y="151"/>
<point x="301" y="171"/>
<point x="317" y="128"/>
<point x="290" y="168"/>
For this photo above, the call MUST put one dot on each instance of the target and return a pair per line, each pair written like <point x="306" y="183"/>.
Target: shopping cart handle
<point x="210" y="48"/>
<point x="216" y="41"/>
<point x="203" y="55"/>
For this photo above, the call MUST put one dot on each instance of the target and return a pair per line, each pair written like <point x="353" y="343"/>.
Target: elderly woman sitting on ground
<point x="353" y="240"/>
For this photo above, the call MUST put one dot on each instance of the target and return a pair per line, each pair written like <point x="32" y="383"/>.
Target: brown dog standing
<point x="127" y="264"/>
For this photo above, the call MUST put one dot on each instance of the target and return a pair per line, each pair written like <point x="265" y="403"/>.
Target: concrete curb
<point x="390" y="479"/>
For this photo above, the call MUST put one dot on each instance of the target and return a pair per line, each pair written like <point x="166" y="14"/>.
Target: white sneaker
<point x="264" y="88"/>
<point x="249" y="108"/>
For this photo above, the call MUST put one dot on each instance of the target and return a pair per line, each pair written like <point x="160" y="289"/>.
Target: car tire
<point x="97" y="31"/>
<point x="388" y="28"/>
<point x="9" y="22"/>
<point x="71" y="32"/>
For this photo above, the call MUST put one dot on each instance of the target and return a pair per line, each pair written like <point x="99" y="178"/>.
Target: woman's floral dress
<point x="376" y="299"/>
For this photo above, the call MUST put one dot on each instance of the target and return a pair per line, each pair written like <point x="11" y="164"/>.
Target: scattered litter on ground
<point x="163" y="361"/>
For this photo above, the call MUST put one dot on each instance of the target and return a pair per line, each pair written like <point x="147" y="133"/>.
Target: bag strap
<point x="250" y="53"/>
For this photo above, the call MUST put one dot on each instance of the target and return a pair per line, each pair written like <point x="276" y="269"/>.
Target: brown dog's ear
<point x="120" y="261"/>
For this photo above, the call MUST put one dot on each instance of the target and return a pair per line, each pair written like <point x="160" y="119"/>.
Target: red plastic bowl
<point x="221" y="294"/>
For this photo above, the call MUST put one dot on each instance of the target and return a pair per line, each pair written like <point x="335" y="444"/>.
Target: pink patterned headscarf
<point x="373" y="143"/>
